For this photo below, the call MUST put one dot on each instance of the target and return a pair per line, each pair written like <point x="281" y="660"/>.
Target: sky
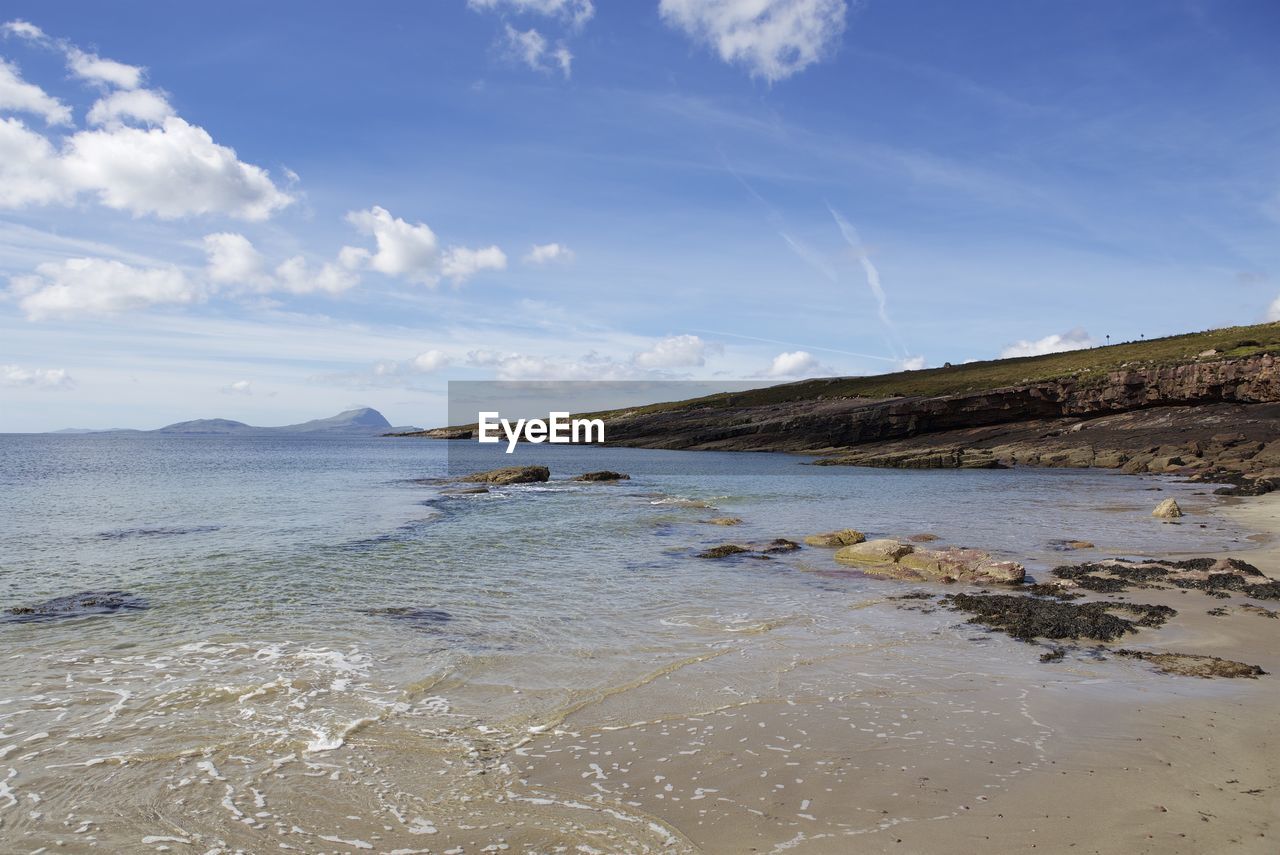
<point x="275" y="211"/>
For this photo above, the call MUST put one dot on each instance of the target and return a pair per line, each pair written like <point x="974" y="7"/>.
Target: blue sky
<point x="273" y="211"/>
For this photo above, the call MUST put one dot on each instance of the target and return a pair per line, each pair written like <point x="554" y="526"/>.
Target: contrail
<point x="873" y="276"/>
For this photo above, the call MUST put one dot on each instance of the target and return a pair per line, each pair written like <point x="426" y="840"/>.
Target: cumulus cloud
<point x="104" y="72"/>
<point x="1076" y="339"/>
<point x="235" y="262"/>
<point x="41" y="378"/>
<point x="99" y="286"/>
<point x="1273" y="311"/>
<point x="412" y="252"/>
<point x="430" y="361"/>
<point x="793" y="364"/>
<point x="17" y="95"/>
<point x="677" y="351"/>
<point x="239" y="387"/>
<point x="548" y="253"/>
<point x="141" y="105"/>
<point x="168" y="167"/>
<point x="459" y="263"/>
<point x="772" y="39"/>
<point x="531" y="48"/>
<point x="573" y="12"/>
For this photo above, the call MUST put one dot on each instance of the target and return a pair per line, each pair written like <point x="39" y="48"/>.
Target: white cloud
<point x="30" y="172"/>
<point x="406" y="250"/>
<point x="574" y="12"/>
<point x="1076" y="339"/>
<point x="411" y="251"/>
<point x="547" y="253"/>
<point x="296" y="276"/>
<point x="239" y="387"/>
<point x="107" y="72"/>
<point x="773" y="39"/>
<point x="42" y="378"/>
<point x="911" y="363"/>
<point x="142" y="105"/>
<point x="1273" y="311"/>
<point x="677" y="351"/>
<point x="233" y="260"/>
<point x="459" y="263"/>
<point x="99" y="286"/>
<point x="793" y="364"/>
<point x="23" y="30"/>
<point x="18" y="95"/>
<point x="171" y="171"/>
<point x="531" y="48"/>
<point x="430" y="361"/>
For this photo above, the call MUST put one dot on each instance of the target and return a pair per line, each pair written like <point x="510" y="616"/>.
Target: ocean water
<point x="339" y="654"/>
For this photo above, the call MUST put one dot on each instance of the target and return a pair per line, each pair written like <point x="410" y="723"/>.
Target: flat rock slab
<point x="899" y="560"/>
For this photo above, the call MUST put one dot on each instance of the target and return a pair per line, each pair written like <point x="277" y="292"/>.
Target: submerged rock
<point x="77" y="605"/>
<point x="1168" y="509"/>
<point x="832" y="539"/>
<point x="413" y="615"/>
<point x="773" y="547"/>
<point x="603" y="475"/>
<point x="923" y="537"/>
<point x="723" y="521"/>
<point x="509" y="475"/>
<point x="900" y="560"/>
<point x="1194" y="665"/>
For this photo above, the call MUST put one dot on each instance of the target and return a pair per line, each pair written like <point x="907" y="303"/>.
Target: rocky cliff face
<point x="1166" y="408"/>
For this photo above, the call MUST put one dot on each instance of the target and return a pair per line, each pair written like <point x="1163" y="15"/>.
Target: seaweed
<point x="1192" y="665"/>
<point x="1028" y="618"/>
<point x="723" y="551"/>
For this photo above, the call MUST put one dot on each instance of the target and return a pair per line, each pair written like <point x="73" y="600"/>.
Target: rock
<point x="924" y="537"/>
<point x="1070" y="545"/>
<point x="832" y="539"/>
<point x="1193" y="665"/>
<point x="1168" y="509"/>
<point x="413" y="615"/>
<point x="603" y="475"/>
<point x="510" y="475"/>
<point x="882" y="551"/>
<point x="76" y="605"/>
<point x="961" y="565"/>
<point x="724" y="551"/>
<point x="773" y="547"/>
<point x="722" y="521"/>
<point x="466" y="491"/>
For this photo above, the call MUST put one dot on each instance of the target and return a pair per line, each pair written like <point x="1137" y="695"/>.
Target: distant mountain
<point x="364" y="421"/>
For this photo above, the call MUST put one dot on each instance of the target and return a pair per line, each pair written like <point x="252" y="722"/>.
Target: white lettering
<point x="557" y="428"/>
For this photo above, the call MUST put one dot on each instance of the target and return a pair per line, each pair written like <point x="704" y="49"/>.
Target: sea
<point x="328" y="647"/>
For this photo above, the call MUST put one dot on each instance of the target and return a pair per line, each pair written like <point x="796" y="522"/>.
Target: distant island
<point x="363" y="421"/>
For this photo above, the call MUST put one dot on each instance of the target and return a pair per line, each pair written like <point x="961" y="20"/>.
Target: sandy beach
<point x="993" y="754"/>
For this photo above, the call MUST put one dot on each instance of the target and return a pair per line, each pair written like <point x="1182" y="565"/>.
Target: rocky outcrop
<point x="764" y="550"/>
<point x="603" y="475"/>
<point x="510" y="475"/>
<point x="835" y="539"/>
<point x="900" y="560"/>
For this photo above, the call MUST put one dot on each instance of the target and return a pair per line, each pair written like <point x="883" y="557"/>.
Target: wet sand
<point x="842" y="750"/>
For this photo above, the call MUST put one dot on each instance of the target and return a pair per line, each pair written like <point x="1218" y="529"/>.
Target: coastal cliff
<point x="1214" y="414"/>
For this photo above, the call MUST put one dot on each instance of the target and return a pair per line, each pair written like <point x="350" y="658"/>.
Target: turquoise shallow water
<point x="266" y="562"/>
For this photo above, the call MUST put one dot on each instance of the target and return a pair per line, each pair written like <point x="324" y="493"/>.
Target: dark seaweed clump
<point x="1029" y="618"/>
<point x="76" y="605"/>
<point x="1057" y="592"/>
<point x="723" y="551"/>
<point x="780" y="544"/>
<point x="1055" y="655"/>
<point x="1240" y="577"/>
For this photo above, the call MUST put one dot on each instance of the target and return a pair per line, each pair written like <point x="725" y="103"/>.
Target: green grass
<point x="1085" y="366"/>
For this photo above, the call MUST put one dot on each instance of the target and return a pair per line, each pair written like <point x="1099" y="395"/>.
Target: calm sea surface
<point x="269" y="697"/>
